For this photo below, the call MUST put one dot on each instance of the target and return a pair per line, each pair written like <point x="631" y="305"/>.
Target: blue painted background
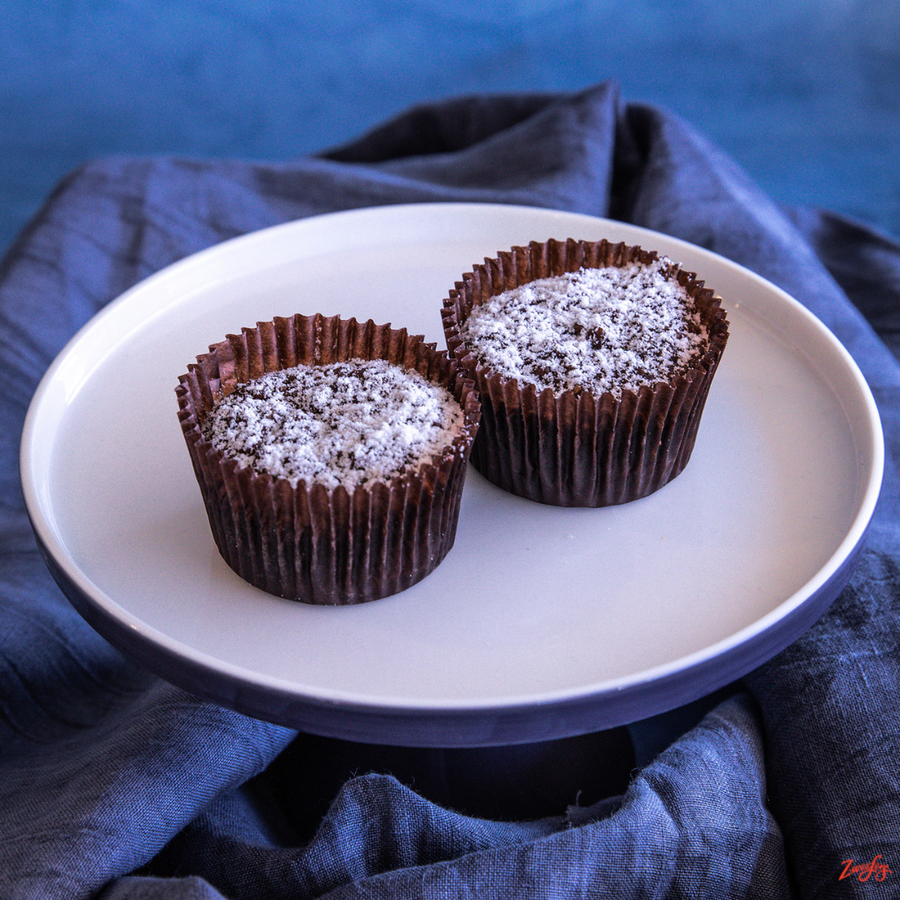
<point x="805" y="94"/>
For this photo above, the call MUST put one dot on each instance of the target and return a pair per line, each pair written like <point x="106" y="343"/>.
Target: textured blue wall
<point x="806" y="95"/>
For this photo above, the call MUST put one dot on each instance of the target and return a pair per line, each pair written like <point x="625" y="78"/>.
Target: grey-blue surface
<point x="805" y="95"/>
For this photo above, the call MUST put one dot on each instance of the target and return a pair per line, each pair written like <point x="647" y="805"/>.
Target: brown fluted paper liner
<point x="307" y="542"/>
<point x="579" y="449"/>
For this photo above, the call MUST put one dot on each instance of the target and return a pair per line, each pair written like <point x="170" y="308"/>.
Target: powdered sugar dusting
<point x="351" y="423"/>
<point x="606" y="329"/>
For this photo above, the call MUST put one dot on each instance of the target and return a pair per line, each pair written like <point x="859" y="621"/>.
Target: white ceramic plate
<point x="541" y="622"/>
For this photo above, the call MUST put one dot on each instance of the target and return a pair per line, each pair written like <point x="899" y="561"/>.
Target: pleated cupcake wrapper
<point x="581" y="449"/>
<point x="308" y="542"/>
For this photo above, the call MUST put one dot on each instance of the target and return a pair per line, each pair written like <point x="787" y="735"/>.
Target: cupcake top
<point x="596" y="329"/>
<point x="351" y="423"/>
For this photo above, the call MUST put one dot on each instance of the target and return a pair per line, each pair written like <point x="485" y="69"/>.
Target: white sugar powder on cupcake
<point x="605" y="329"/>
<point x="351" y="423"/>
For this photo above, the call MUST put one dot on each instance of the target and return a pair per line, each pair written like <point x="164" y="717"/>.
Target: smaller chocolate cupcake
<point x="331" y="455"/>
<point x="593" y="361"/>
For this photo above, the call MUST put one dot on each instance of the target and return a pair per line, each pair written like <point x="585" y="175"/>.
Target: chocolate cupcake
<point x="593" y="361"/>
<point x="331" y="455"/>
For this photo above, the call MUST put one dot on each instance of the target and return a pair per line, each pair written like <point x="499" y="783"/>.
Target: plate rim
<point x="84" y="594"/>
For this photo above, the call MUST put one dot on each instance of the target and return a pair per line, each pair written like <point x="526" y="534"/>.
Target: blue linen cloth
<point x="117" y="785"/>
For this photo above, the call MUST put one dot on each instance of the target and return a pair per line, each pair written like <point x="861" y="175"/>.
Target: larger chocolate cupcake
<point x="593" y="361"/>
<point x="331" y="455"/>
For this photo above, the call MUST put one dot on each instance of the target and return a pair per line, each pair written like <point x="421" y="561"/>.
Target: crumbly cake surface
<point x="607" y="329"/>
<point x="351" y="423"/>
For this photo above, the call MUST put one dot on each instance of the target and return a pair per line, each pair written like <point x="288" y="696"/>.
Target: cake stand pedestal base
<point x="507" y="783"/>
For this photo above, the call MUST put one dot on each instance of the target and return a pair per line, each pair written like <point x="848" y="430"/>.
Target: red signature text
<point x="864" y="871"/>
